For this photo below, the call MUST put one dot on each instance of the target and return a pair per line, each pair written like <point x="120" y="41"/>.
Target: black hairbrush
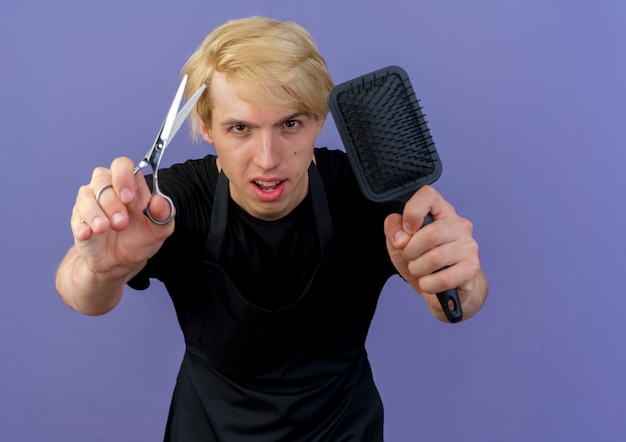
<point x="388" y="143"/>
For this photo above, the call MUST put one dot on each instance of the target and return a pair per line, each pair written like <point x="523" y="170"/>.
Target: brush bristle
<point x="385" y="131"/>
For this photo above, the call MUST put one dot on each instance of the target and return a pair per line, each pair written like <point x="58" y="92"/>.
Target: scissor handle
<point x="156" y="191"/>
<point x="146" y="211"/>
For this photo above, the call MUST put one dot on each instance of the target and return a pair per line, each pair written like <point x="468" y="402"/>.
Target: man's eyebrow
<point x="240" y="121"/>
<point x="293" y="116"/>
<point x="234" y="122"/>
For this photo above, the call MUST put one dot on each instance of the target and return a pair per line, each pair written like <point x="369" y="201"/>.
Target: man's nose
<point x="268" y="155"/>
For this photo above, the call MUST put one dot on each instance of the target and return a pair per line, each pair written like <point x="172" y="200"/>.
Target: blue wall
<point x="525" y="100"/>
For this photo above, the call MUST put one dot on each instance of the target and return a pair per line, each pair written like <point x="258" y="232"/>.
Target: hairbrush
<point x="388" y="143"/>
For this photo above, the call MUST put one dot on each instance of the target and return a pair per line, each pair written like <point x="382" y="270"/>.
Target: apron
<point x="250" y="374"/>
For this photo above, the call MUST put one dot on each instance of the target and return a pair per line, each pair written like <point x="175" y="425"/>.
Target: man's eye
<point x="291" y="123"/>
<point x="239" y="128"/>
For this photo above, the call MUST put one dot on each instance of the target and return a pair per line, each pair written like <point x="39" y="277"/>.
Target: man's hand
<point x="113" y="238"/>
<point x="439" y="256"/>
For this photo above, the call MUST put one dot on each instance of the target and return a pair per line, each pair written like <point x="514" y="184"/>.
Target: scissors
<point x="171" y="124"/>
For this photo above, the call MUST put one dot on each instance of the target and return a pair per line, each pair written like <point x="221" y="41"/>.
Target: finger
<point x="116" y="189"/>
<point x="103" y="194"/>
<point x="454" y="276"/>
<point x="112" y="207"/>
<point x="463" y="249"/>
<point x="423" y="202"/>
<point x="161" y="209"/>
<point x="80" y="228"/>
<point x="123" y="180"/>
<point x="87" y="209"/>
<point x="141" y="194"/>
<point x="435" y="260"/>
<point x="394" y="232"/>
<point x="429" y="237"/>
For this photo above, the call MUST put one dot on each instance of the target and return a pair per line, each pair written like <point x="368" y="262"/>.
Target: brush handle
<point x="449" y="299"/>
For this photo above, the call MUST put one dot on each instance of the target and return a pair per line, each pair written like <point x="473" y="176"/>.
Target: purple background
<point x="525" y="101"/>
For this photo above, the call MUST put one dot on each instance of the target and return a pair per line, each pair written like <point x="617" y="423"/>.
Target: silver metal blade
<point x="166" y="131"/>
<point x="184" y="112"/>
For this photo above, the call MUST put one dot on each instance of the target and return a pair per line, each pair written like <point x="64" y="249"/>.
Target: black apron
<point x="250" y="374"/>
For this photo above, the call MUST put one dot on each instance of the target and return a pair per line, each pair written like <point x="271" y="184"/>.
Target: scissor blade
<point x="166" y="131"/>
<point x="184" y="112"/>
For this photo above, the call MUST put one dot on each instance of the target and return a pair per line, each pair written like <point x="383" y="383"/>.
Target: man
<point x="274" y="260"/>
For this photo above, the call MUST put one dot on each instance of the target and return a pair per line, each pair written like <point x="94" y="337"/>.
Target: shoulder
<point x="333" y="159"/>
<point x="196" y="176"/>
<point x="191" y="185"/>
<point x="334" y="167"/>
<point x="341" y="185"/>
<point x="342" y="190"/>
<point x="192" y="171"/>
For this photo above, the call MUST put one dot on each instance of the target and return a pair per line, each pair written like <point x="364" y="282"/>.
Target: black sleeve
<point x="191" y="187"/>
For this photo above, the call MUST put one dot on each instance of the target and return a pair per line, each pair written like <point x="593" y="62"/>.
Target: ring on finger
<point x="100" y="190"/>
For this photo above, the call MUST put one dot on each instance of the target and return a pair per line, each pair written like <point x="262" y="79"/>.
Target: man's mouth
<point x="267" y="186"/>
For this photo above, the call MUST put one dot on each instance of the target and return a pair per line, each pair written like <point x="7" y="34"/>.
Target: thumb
<point x="394" y="232"/>
<point x="160" y="209"/>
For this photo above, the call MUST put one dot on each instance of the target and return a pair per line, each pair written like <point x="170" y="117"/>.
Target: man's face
<point x="264" y="153"/>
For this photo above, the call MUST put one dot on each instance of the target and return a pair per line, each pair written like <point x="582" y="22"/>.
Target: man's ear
<point x="206" y="134"/>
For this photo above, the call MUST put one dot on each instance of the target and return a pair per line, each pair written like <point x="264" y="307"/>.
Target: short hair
<point x="269" y="63"/>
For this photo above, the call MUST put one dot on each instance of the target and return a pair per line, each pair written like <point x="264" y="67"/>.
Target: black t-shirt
<point x="269" y="261"/>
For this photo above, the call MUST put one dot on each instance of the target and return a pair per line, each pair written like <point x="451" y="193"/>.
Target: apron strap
<point x="219" y="215"/>
<point x="321" y="211"/>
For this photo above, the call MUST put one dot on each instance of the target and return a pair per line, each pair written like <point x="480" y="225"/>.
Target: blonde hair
<point x="268" y="63"/>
